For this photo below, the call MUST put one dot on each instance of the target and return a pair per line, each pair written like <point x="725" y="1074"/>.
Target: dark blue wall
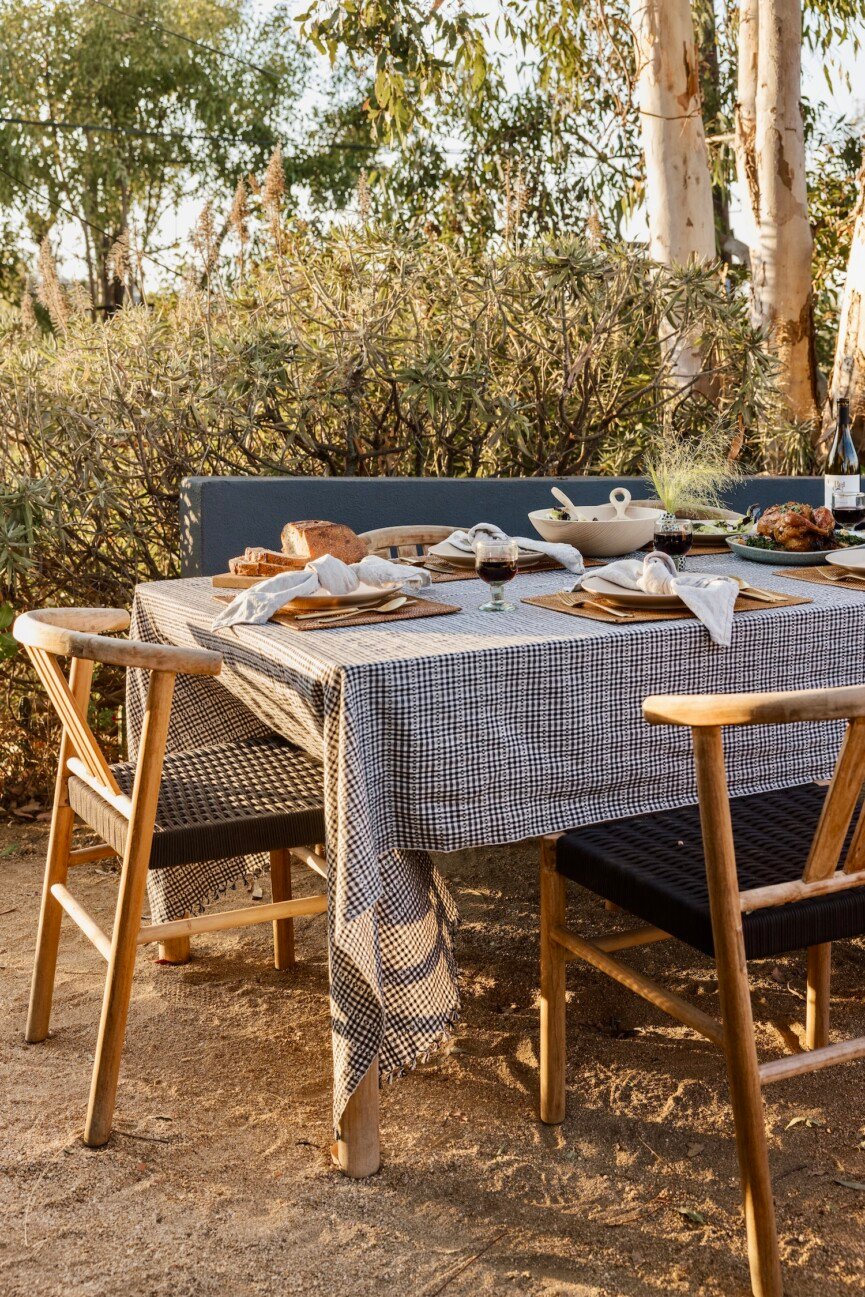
<point x="220" y="516"/>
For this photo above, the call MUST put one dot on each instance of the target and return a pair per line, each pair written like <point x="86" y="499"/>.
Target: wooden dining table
<point x="465" y="730"/>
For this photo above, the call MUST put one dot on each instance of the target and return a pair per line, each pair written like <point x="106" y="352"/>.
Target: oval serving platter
<point x="778" y="557"/>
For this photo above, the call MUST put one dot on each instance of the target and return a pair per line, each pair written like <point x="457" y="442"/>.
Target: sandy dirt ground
<point x="218" y="1179"/>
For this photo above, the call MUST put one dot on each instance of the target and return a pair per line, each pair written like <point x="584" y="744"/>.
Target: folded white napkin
<point x="710" y="598"/>
<point x="567" y="555"/>
<point x="260" y="602"/>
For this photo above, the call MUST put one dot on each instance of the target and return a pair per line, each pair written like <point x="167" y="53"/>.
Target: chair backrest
<point x="82" y="634"/>
<point x="406" y="541"/>
<point x="706" y="714"/>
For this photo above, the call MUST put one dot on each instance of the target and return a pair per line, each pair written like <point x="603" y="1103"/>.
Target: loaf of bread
<point x="312" y="538"/>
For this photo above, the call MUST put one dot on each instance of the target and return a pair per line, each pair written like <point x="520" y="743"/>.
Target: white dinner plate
<point x="853" y="559"/>
<point x="459" y="557"/>
<point x="358" y="598"/>
<point x="599" y="585"/>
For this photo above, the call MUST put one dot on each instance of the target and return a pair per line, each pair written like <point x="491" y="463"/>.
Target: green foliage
<point x="161" y="118"/>
<point x="837" y="156"/>
<point x="359" y="353"/>
<point x="688" y="475"/>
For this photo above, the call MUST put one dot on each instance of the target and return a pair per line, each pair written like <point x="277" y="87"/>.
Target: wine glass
<point x="673" y="536"/>
<point x="496" y="563"/>
<point x="848" y="508"/>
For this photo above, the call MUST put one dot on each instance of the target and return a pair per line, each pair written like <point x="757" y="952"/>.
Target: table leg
<point x="358" y="1151"/>
<point x="176" y="951"/>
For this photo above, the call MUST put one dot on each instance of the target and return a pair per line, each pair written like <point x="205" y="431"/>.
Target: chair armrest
<point x="712" y="710"/>
<point x="83" y="633"/>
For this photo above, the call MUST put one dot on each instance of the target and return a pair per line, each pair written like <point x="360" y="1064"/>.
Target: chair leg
<point x="552" y="1048"/>
<point x="817" y="1010"/>
<point x="738" y="1023"/>
<point x="283" y="929"/>
<point x="48" y="936"/>
<point x="56" y="867"/>
<point x="127" y="919"/>
<point x="747" y="1101"/>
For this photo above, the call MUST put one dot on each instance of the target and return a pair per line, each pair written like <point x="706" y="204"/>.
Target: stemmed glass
<point x="673" y="536"/>
<point x="848" y="508"/>
<point x="496" y="563"/>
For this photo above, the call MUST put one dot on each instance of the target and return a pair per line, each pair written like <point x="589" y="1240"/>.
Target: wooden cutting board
<point x="228" y="581"/>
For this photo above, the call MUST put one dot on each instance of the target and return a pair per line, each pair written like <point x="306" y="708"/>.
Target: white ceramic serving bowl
<point x="606" y="535"/>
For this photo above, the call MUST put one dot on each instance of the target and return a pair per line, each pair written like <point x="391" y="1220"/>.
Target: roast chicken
<point x="798" y="526"/>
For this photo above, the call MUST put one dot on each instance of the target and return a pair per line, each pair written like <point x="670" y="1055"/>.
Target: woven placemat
<point x="554" y="603"/>
<point x="816" y="576"/>
<point x="408" y="612"/>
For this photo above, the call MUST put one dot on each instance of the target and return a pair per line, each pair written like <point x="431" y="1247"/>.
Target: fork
<point x="570" y="602"/>
<point x="843" y="576"/>
<point x="756" y="592"/>
<point x="389" y="605"/>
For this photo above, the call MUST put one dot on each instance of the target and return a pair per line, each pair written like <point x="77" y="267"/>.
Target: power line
<point x="116" y="130"/>
<point x="189" y="40"/>
<point x="345" y="145"/>
<point x="75" y="216"/>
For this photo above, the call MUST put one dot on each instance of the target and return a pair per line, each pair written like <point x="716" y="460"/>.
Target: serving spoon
<point x="572" y="509"/>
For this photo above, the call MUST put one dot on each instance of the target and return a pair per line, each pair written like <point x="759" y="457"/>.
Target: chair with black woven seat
<point x="736" y="878"/>
<point x="183" y="808"/>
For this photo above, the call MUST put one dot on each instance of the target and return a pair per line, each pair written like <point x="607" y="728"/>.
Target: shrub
<point x="358" y="353"/>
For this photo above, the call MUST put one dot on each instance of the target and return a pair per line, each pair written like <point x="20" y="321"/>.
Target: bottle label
<point x="849" y="484"/>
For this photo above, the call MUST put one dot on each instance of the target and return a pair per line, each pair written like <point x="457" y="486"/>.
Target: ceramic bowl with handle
<point x="612" y="529"/>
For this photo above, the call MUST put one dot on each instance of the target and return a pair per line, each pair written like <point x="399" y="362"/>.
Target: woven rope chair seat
<point x="236" y="799"/>
<point x="653" y="866"/>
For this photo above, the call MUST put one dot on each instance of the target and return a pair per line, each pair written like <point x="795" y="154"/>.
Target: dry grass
<point x="221" y="1183"/>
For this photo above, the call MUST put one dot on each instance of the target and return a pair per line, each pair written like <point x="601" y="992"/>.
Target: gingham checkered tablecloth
<point x="468" y="730"/>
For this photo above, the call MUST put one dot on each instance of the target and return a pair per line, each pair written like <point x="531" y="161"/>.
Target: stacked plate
<point x="609" y="592"/>
<point x="462" y="558"/>
<point x="851" y="560"/>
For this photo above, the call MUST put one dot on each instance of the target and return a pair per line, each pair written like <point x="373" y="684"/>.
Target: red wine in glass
<point x="673" y="536"/>
<point x="673" y="543"/>
<point x="496" y="563"/>
<point x="848" y="508"/>
<point x="849" y="516"/>
<point x="496" y="570"/>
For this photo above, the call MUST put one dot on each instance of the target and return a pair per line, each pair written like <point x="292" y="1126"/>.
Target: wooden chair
<point x="167" y="810"/>
<point x="782" y="887"/>
<point x="404" y="542"/>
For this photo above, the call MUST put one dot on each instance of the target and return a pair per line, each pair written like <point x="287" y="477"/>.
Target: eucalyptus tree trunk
<point x="848" y="371"/>
<point x="678" y="182"/>
<point x="771" y="161"/>
<point x="746" y="136"/>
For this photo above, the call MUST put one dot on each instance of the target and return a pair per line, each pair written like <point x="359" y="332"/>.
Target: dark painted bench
<point x="219" y="516"/>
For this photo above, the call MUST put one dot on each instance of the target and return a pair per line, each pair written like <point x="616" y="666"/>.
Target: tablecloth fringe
<point x="392" y="1074"/>
<point x="214" y="892"/>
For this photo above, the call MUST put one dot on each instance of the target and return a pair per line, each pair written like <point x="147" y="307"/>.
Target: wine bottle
<point x="842" y="464"/>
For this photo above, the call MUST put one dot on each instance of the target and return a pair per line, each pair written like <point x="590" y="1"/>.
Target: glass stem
<point x="497" y="590"/>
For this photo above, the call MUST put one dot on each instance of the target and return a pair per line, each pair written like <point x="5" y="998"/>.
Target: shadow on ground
<point x="218" y="1180"/>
